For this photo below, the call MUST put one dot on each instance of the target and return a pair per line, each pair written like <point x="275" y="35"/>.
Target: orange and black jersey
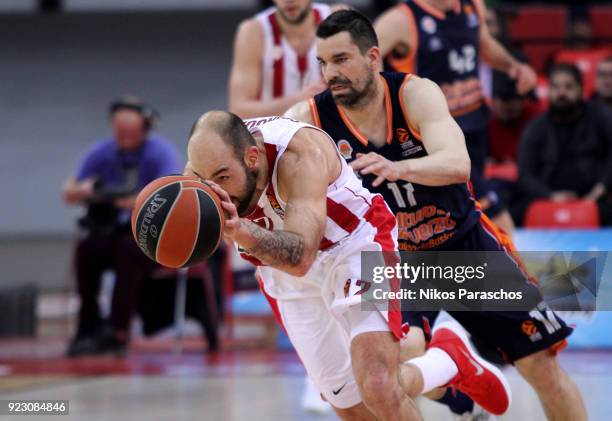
<point x="428" y="217"/>
<point x="445" y="47"/>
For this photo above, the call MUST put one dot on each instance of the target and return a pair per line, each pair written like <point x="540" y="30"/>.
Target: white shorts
<point x="323" y="344"/>
<point x="321" y="327"/>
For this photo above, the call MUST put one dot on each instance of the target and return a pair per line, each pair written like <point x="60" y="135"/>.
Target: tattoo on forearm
<point x="276" y="247"/>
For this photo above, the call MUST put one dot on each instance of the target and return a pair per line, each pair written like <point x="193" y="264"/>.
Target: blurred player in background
<point x="397" y="131"/>
<point x="275" y="63"/>
<point x="109" y="177"/>
<point x="443" y="40"/>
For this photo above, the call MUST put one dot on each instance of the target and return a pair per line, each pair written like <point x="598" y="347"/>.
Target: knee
<point x="379" y="386"/>
<point x="542" y="371"/>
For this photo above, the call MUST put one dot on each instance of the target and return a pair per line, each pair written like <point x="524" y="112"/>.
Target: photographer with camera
<point x="110" y="176"/>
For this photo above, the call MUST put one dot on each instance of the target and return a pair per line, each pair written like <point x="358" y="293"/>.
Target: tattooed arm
<point x="306" y="169"/>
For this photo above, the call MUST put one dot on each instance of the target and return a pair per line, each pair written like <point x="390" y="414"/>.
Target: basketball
<point x="177" y="221"/>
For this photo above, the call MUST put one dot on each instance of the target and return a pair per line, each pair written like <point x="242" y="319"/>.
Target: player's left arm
<point x="447" y="161"/>
<point x="303" y="177"/>
<point x="500" y="59"/>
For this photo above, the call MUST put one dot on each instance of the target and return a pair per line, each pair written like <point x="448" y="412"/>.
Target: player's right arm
<point x="447" y="161"/>
<point x="246" y="77"/>
<point x="393" y="29"/>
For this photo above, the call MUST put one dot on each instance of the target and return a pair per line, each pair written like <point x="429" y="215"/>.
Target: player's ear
<point x="251" y="156"/>
<point x="374" y="58"/>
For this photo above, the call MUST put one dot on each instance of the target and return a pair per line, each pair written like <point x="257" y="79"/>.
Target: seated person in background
<point x="110" y="176"/>
<point x="603" y="82"/>
<point x="566" y="153"/>
<point x="511" y="113"/>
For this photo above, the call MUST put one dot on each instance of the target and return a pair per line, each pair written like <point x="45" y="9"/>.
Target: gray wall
<point x="57" y="75"/>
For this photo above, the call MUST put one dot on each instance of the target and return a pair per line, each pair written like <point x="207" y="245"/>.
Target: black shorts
<point x="513" y="334"/>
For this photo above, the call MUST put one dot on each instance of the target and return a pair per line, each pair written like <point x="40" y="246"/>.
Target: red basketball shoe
<point x="477" y="378"/>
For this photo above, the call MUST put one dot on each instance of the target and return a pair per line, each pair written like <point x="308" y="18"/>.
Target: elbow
<point x="303" y="264"/>
<point x="462" y="170"/>
<point x="302" y="268"/>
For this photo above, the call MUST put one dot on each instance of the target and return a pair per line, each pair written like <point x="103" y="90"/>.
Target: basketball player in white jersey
<point x="275" y="63"/>
<point x="295" y="207"/>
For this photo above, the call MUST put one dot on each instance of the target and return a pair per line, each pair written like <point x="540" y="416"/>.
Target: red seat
<point x="539" y="23"/>
<point x="600" y="18"/>
<point x="586" y="61"/>
<point x="505" y="171"/>
<point x="574" y="214"/>
<point x="540" y="55"/>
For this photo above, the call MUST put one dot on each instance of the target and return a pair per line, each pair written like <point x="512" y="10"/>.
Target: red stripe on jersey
<point x="317" y="17"/>
<point x="342" y="216"/>
<point x="325" y="244"/>
<point x="251" y="259"/>
<point x="381" y="218"/>
<point x="277" y="88"/>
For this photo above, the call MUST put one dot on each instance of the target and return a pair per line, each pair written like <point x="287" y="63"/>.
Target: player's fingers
<point x="220" y="192"/>
<point x="231" y="210"/>
<point x="363" y="161"/>
<point x="373" y="168"/>
<point x="378" y="181"/>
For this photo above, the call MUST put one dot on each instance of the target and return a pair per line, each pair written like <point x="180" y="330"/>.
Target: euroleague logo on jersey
<point x="345" y="148"/>
<point x="402" y="135"/>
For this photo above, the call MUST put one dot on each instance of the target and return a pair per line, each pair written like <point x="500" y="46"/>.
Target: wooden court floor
<point x="236" y="386"/>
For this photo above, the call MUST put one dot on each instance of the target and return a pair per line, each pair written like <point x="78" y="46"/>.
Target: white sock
<point x="437" y="368"/>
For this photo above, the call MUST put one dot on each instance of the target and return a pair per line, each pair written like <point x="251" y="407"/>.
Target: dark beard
<point x="566" y="111"/>
<point x="301" y="17"/>
<point x="354" y="97"/>
<point x="244" y="202"/>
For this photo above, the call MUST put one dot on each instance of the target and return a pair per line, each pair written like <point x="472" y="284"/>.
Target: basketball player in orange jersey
<point x="396" y="130"/>
<point x="444" y="40"/>
<point x="296" y="209"/>
<point x="275" y="64"/>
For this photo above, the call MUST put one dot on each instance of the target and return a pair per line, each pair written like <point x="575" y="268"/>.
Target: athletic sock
<point x="437" y="368"/>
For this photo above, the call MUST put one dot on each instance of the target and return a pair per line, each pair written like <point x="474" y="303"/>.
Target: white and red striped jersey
<point x="349" y="204"/>
<point x="284" y="72"/>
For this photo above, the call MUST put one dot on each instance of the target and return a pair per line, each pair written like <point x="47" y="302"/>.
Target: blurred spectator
<point x="603" y="82"/>
<point x="511" y="113"/>
<point x="109" y="177"/>
<point x="566" y="153"/>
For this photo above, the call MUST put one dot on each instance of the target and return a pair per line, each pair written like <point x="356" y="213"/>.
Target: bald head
<point x="222" y="150"/>
<point x="225" y="126"/>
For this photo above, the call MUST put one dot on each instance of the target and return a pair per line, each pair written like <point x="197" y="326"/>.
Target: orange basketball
<point x="177" y="221"/>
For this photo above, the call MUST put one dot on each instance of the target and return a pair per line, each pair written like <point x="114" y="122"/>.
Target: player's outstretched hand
<point x="373" y="163"/>
<point x="526" y="78"/>
<point x="232" y="220"/>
